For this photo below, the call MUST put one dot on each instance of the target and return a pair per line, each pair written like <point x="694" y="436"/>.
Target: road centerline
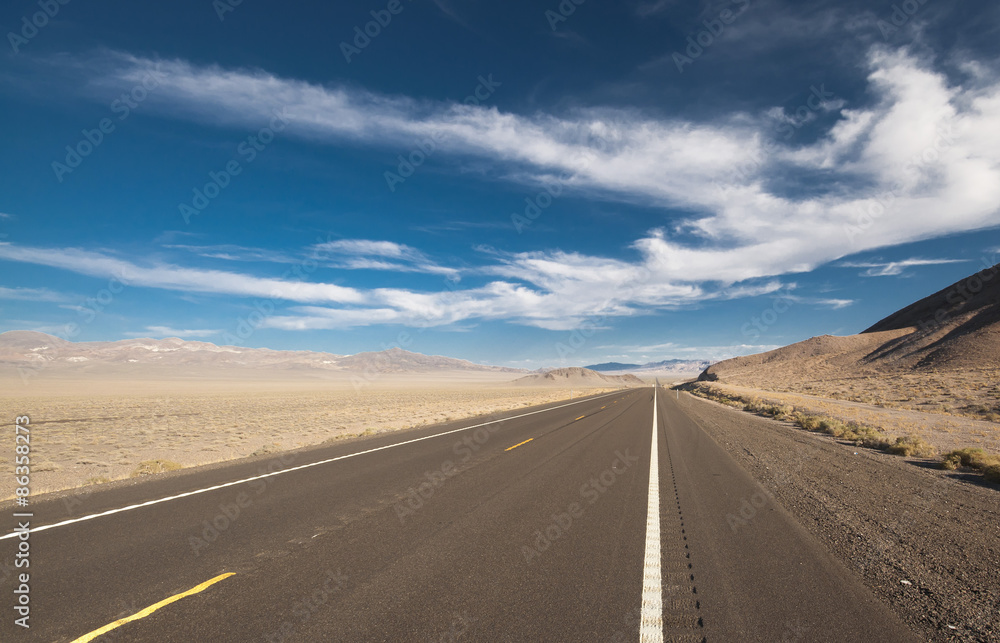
<point x="651" y="620"/>
<point x="152" y="608"/>
<point x="518" y="444"/>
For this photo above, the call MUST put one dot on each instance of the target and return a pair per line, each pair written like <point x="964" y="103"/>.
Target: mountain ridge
<point x="27" y="348"/>
<point x="955" y="328"/>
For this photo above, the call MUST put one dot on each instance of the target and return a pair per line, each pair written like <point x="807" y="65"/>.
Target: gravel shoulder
<point x="925" y="541"/>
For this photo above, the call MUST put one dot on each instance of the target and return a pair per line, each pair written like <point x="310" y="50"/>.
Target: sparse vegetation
<point x="149" y="467"/>
<point x="860" y="434"/>
<point x="267" y="449"/>
<point x="912" y="446"/>
<point x="974" y="458"/>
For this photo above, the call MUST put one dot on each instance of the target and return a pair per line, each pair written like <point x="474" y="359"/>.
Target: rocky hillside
<point x="955" y="329"/>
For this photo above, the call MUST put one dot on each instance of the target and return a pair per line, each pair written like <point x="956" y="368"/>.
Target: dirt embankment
<point x="925" y="541"/>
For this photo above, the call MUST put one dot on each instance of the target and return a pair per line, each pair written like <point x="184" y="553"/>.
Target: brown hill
<point x="34" y="351"/>
<point x="955" y="329"/>
<point x="578" y="377"/>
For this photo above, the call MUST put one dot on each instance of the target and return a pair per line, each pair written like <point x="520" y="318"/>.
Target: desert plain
<point x="100" y="429"/>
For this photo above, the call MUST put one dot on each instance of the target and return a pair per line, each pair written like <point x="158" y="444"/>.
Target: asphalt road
<point x="527" y="529"/>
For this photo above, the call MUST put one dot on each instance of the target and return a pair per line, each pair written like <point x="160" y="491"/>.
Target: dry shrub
<point x="149" y="467"/>
<point x="912" y="446"/>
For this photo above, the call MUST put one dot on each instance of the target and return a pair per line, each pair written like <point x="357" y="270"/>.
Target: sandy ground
<point x="944" y="431"/>
<point x="89" y="431"/>
<point x="973" y="393"/>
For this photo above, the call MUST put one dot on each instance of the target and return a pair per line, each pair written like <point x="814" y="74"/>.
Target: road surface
<point x="560" y="524"/>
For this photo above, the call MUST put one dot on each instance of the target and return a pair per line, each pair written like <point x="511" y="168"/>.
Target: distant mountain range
<point x="33" y="349"/>
<point x="666" y="366"/>
<point x="579" y="377"/>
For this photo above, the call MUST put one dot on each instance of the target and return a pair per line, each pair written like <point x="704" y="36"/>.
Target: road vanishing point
<point x="612" y="517"/>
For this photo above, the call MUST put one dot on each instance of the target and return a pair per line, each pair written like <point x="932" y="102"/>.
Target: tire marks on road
<point x="682" y="622"/>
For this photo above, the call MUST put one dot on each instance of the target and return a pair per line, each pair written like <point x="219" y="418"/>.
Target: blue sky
<point x="520" y="183"/>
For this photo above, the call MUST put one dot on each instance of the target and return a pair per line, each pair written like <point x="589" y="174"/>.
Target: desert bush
<point x="912" y="446"/>
<point x="267" y="449"/>
<point x="974" y="458"/>
<point x="149" y="467"/>
<point x="808" y="422"/>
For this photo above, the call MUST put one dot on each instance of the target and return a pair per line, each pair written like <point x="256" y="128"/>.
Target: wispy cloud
<point x="894" y="268"/>
<point x="31" y="294"/>
<point x="669" y="350"/>
<point x="230" y="252"/>
<point x="921" y="145"/>
<point x="365" y="254"/>
<point x="166" y="331"/>
<point x="720" y="172"/>
<point x="171" y="277"/>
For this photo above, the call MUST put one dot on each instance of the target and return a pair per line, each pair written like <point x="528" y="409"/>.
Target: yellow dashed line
<point x="519" y="444"/>
<point x="152" y="608"/>
<point x="580" y="418"/>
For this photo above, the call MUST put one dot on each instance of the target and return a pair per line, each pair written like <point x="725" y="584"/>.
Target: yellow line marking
<point x="580" y="418"/>
<point x="519" y="444"/>
<point x="604" y="407"/>
<point x="152" y="608"/>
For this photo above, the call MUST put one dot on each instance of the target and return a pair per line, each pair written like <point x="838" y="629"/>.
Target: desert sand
<point x="95" y="430"/>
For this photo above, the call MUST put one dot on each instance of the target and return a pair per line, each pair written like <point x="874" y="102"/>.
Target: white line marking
<point x="302" y="466"/>
<point x="651" y="623"/>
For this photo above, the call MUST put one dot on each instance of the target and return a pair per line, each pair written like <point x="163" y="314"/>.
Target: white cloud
<point x="922" y="147"/>
<point x="230" y="252"/>
<point x="893" y="268"/>
<point x="365" y="254"/>
<point x="166" y="331"/>
<point x="31" y="294"/>
<point x="172" y="277"/>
